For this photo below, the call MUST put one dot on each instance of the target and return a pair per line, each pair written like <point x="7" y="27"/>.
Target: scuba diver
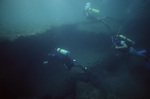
<point x="124" y="45"/>
<point x="92" y="15"/>
<point x="62" y="57"/>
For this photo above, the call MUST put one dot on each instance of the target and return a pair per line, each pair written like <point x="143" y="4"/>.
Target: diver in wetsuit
<point x="92" y="15"/>
<point x="61" y="56"/>
<point x="124" y="45"/>
<point x="120" y="44"/>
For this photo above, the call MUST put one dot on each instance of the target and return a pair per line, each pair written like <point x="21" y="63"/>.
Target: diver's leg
<point x="135" y="52"/>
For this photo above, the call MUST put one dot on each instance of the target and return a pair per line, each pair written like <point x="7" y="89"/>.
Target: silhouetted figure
<point x="92" y="15"/>
<point x="61" y="56"/>
<point x="125" y="45"/>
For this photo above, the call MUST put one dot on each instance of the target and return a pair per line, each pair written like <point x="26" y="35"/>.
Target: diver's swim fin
<point x="142" y="51"/>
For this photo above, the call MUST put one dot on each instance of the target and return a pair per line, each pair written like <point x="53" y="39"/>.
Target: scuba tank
<point x="93" y="10"/>
<point x="125" y="38"/>
<point x="62" y="51"/>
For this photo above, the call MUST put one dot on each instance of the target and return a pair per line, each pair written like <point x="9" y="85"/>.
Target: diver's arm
<point x="122" y="47"/>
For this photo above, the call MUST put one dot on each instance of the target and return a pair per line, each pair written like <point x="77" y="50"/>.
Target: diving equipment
<point x="93" y="10"/>
<point x="62" y="51"/>
<point x="125" y="38"/>
<point x="142" y="51"/>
